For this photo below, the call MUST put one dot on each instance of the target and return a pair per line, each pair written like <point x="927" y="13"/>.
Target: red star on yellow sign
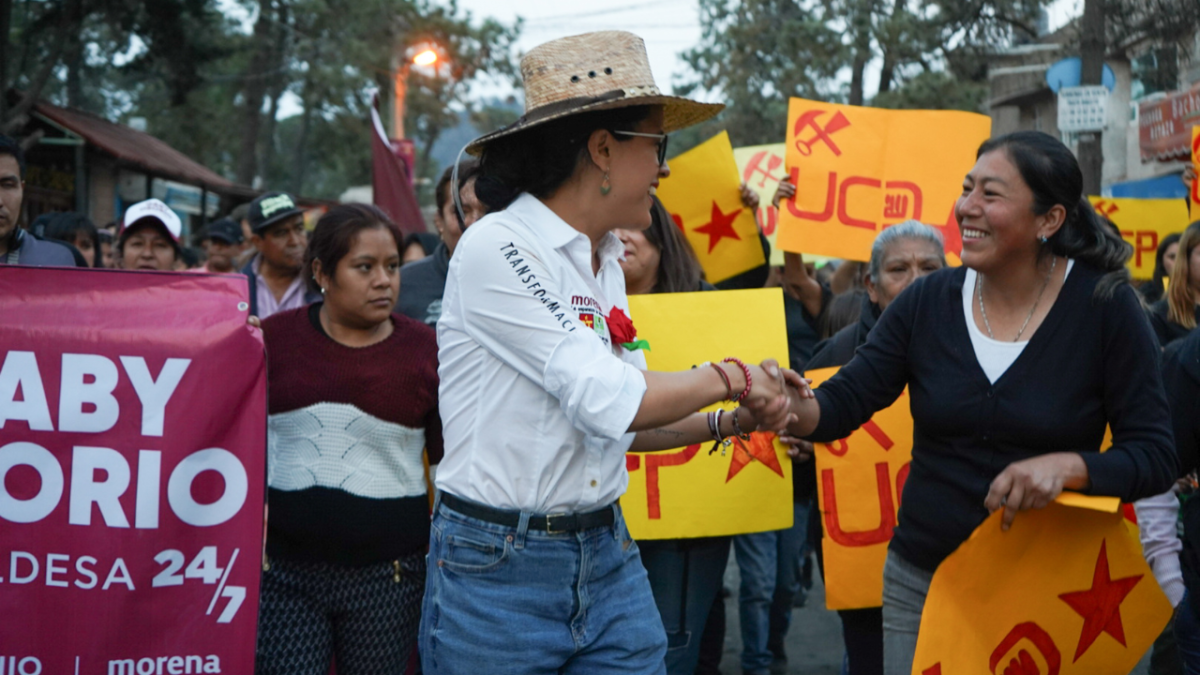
<point x="1100" y="605"/>
<point x="719" y="227"/>
<point x="760" y="447"/>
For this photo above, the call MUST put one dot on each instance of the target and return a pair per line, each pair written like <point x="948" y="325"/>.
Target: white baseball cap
<point x="154" y="208"/>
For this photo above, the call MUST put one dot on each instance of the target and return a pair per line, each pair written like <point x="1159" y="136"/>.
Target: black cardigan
<point x="1090" y="363"/>
<point x="1166" y="330"/>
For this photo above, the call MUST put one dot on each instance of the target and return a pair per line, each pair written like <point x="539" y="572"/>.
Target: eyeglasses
<point x="662" y="142"/>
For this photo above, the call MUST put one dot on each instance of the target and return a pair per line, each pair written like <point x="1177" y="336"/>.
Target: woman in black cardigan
<point x="1014" y="363"/>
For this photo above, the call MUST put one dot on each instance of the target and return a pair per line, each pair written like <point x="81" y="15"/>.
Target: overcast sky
<point x="669" y="27"/>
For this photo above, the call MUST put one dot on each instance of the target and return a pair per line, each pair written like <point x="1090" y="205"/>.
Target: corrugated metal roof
<point x="137" y="148"/>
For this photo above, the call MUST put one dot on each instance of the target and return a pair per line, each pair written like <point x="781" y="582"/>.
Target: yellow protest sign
<point x="858" y="170"/>
<point x="761" y="168"/>
<point x="1064" y="591"/>
<point x="704" y="198"/>
<point x="688" y="492"/>
<point x="1143" y="223"/>
<point x="859" y="482"/>
<point x="1195" y="193"/>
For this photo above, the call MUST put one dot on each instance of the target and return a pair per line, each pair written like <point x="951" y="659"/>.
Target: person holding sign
<point x="1015" y="363"/>
<point x="353" y="407"/>
<point x="543" y="384"/>
<point x="1176" y="315"/>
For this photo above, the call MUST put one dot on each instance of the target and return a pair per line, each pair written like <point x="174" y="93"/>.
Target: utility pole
<point x="1091" y="53"/>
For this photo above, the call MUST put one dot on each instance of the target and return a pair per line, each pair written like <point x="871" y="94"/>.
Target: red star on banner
<point x="1100" y="605"/>
<point x="760" y="447"/>
<point x="719" y="227"/>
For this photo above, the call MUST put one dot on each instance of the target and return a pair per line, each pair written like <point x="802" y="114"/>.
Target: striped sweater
<point x="346" y="431"/>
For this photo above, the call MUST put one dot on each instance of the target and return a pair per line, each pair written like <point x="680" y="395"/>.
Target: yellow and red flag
<point x="704" y="198"/>
<point x="1143" y="223"/>
<point x="858" y="170"/>
<point x="859" y="481"/>
<point x="692" y="492"/>
<point x="1064" y="591"/>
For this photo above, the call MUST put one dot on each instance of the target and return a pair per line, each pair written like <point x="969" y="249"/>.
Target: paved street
<point x="814" y="643"/>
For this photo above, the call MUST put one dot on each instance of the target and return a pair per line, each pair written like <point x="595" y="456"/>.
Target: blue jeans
<point x="905" y="587"/>
<point x="1187" y="635"/>
<point x="514" y="601"/>
<point x="685" y="575"/>
<point x="767" y="564"/>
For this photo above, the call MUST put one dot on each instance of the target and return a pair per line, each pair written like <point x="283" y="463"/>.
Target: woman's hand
<point x="749" y="197"/>
<point x="786" y="190"/>
<point x="768" y="400"/>
<point x="1033" y="483"/>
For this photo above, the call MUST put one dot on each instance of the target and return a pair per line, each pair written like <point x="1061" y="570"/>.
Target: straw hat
<point x="594" y="71"/>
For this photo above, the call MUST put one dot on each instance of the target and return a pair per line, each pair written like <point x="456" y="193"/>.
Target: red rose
<point x="620" y="326"/>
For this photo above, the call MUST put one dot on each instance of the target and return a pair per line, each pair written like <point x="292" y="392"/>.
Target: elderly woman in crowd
<point x="1015" y="364"/>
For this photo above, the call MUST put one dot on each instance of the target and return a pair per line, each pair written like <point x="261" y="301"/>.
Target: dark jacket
<point x="1181" y="378"/>
<point x="1071" y="381"/>
<point x="422" y="284"/>
<point x="40" y="253"/>
<point x="1165" y="330"/>
<point x="310" y="296"/>
<point x="839" y="349"/>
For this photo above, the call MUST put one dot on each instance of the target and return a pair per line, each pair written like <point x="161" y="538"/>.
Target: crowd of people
<point x="500" y="351"/>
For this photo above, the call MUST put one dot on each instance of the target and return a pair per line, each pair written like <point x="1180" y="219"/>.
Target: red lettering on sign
<point x="844" y="217"/>
<point x="841" y="450"/>
<point x="935" y="669"/>
<point x="1105" y="208"/>
<point x="826" y="211"/>
<point x="901" y="479"/>
<point x="878" y="434"/>
<point x="654" y="510"/>
<point x="902" y="211"/>
<point x="1146" y="241"/>
<point x="887" y="511"/>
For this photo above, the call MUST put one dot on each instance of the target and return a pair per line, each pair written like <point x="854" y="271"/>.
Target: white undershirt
<point x="994" y="356"/>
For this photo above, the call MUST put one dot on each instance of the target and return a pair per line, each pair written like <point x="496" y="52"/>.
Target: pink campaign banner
<point x="132" y="463"/>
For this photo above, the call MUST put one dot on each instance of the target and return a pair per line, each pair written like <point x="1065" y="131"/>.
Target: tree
<point x="753" y="55"/>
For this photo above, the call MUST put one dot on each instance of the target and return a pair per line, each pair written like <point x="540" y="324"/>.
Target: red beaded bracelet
<point x="746" y="372"/>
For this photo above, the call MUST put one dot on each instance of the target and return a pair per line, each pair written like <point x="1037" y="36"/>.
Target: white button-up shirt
<point x="534" y="397"/>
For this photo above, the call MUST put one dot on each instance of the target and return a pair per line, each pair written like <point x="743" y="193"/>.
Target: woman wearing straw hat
<point x="543" y="389"/>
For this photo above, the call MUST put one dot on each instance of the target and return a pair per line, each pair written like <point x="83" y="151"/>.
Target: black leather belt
<point x="561" y="522"/>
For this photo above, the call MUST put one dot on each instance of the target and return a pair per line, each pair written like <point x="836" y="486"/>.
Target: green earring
<point x="605" y="188"/>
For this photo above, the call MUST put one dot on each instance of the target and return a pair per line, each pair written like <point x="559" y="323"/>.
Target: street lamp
<point x="424" y="56"/>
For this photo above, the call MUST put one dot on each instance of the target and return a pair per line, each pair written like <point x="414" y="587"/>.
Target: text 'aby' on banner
<point x="858" y="170"/>
<point x="703" y="196"/>
<point x="132" y="464"/>
<point x="1143" y="223"/>
<point x="761" y="168"/>
<point x="690" y="492"/>
<point x="1064" y="591"/>
<point x="859" y="481"/>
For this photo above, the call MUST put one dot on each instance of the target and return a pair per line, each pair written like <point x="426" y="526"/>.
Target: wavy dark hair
<point x="1053" y="175"/>
<point x="679" y="269"/>
<point x="540" y="159"/>
<point x="330" y="240"/>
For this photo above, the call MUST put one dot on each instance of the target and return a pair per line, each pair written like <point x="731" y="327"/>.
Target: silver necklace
<point x="988" y="325"/>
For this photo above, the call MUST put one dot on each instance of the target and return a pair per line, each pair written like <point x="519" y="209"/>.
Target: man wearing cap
<point x="18" y="247"/>
<point x="277" y="227"/>
<point x="149" y="237"/>
<point x="222" y="244"/>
